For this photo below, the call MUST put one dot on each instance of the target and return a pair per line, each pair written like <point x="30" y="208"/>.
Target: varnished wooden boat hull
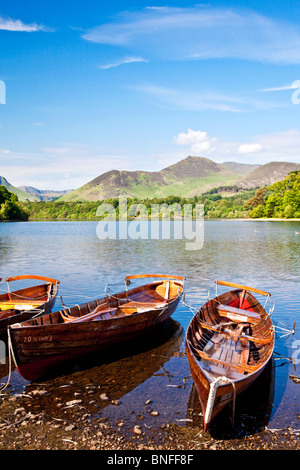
<point x="41" y="348"/>
<point x="206" y="370"/>
<point x="21" y="305"/>
<point x="225" y="393"/>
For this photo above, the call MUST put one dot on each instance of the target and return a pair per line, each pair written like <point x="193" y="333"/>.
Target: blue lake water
<point x="260" y="254"/>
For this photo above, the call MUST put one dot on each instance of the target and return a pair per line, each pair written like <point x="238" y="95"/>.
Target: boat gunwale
<point x="102" y="301"/>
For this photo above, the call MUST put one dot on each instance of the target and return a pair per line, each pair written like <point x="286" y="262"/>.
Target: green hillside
<point x="190" y="177"/>
<point x="22" y="195"/>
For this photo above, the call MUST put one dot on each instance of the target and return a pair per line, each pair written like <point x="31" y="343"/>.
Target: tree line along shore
<point x="281" y="200"/>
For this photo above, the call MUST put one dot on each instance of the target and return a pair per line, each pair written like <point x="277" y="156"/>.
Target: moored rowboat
<point x="229" y="342"/>
<point x="22" y="304"/>
<point x="40" y="345"/>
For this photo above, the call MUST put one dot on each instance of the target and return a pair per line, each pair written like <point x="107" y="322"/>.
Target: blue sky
<point x="93" y="86"/>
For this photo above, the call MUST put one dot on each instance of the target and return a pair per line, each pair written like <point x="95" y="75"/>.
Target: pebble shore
<point x="22" y="428"/>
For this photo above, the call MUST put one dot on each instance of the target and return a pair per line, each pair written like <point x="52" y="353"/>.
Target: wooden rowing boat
<point x="40" y="345"/>
<point x="229" y="342"/>
<point x="22" y="304"/>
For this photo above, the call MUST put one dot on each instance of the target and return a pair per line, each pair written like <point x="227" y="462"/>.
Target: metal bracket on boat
<point x="192" y="309"/>
<point x="215" y="286"/>
<point x="159" y="315"/>
<point x="39" y="313"/>
<point x="107" y="290"/>
<point x="286" y="331"/>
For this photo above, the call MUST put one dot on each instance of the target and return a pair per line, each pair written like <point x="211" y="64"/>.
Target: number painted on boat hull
<point x="39" y="339"/>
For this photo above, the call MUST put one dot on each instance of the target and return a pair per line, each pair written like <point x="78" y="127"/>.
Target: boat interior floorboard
<point x="224" y="349"/>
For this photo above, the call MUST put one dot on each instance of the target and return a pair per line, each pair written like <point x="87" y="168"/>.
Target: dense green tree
<point x="283" y="198"/>
<point x="10" y="208"/>
<point x="257" y="200"/>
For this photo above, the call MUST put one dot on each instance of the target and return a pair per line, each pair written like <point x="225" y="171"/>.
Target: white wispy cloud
<point x="125" y="60"/>
<point x="291" y="86"/>
<point x="201" y="32"/>
<point x="193" y="100"/>
<point x="8" y="24"/>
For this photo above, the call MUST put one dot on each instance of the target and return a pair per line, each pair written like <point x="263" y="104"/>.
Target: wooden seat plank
<point x="227" y="353"/>
<point x="238" y="314"/>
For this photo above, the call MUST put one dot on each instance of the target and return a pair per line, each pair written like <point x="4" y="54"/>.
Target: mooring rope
<point x="10" y="354"/>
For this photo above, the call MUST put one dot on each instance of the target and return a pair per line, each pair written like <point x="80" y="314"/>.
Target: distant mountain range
<point x="28" y="193"/>
<point x="43" y="195"/>
<point x="187" y="178"/>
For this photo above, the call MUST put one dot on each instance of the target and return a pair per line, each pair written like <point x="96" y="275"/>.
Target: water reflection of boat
<point x="252" y="411"/>
<point x="229" y="342"/>
<point x="115" y="374"/>
<point x="44" y="343"/>
<point x="135" y="364"/>
<point x="22" y="304"/>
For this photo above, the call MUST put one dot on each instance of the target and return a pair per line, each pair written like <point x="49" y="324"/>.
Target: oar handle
<point x="240" y="286"/>
<point x="166" y="276"/>
<point x="33" y="276"/>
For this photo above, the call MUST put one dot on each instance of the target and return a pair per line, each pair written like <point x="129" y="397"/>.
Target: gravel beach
<point x="25" y="426"/>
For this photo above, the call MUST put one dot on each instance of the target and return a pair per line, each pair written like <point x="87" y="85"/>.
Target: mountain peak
<point x="191" y="167"/>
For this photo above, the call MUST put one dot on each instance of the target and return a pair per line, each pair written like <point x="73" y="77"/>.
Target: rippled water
<point x="261" y="254"/>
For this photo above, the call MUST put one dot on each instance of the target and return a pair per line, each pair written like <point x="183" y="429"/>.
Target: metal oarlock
<point x="194" y="310"/>
<point x="287" y="331"/>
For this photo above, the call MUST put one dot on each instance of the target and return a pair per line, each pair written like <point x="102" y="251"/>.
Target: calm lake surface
<point x="259" y="254"/>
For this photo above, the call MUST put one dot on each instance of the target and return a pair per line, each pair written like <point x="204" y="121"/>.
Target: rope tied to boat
<point x="10" y="357"/>
<point x="212" y="396"/>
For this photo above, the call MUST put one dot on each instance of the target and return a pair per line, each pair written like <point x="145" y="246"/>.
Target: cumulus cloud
<point x="202" y="32"/>
<point x="198" y="141"/>
<point x="190" y="137"/>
